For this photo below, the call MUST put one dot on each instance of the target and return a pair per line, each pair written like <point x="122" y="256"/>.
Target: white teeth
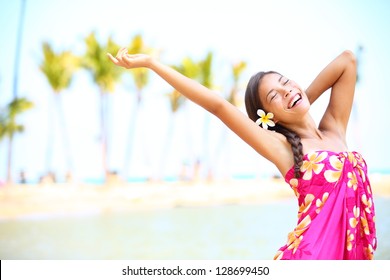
<point x="295" y="99"/>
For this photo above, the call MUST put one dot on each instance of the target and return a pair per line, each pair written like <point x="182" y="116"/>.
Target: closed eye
<point x="285" y="83"/>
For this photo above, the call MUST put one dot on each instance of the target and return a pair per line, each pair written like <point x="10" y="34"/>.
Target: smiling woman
<point x="254" y="35"/>
<point x="313" y="159"/>
<point x="362" y="23"/>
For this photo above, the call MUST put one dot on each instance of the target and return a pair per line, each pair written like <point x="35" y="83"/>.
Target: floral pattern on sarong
<point x="336" y="215"/>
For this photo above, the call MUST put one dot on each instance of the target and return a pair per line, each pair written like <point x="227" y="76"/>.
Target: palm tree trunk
<point x="18" y="47"/>
<point x="103" y="120"/>
<point x="167" y="145"/>
<point x="65" y="135"/>
<point x="50" y="138"/>
<point x="9" y="161"/>
<point x="206" y="149"/>
<point x="131" y="136"/>
<point x="103" y="133"/>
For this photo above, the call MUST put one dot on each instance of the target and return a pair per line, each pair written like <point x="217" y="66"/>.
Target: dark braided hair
<point x="253" y="103"/>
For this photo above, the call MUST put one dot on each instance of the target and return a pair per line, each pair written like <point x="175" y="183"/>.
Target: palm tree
<point x="105" y="74"/>
<point x="9" y="126"/>
<point x="190" y="69"/>
<point x="141" y="80"/>
<point x="206" y="79"/>
<point x="18" y="47"/>
<point x="237" y="70"/>
<point x="58" y="69"/>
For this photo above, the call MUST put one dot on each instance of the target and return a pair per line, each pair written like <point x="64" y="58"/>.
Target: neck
<point x="306" y="129"/>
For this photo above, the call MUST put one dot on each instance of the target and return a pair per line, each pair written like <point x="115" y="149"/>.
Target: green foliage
<point x="188" y="68"/>
<point x="140" y="75"/>
<point x="237" y="70"/>
<point x="200" y="71"/>
<point x="206" y="76"/>
<point x="8" y="124"/>
<point x="58" y="68"/>
<point x="104" y="72"/>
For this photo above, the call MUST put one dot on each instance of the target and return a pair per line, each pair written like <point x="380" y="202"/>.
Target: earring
<point x="265" y="120"/>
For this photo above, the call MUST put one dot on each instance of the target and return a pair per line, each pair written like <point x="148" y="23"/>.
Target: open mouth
<point x="294" y="101"/>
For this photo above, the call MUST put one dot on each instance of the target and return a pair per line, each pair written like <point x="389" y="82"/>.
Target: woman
<point x="336" y="216"/>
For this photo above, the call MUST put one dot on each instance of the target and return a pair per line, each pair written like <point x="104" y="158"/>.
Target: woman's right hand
<point x="130" y="61"/>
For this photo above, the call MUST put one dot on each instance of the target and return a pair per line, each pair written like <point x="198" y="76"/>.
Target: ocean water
<point x="228" y="232"/>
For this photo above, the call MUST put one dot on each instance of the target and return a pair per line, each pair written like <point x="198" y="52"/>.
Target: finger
<point x="121" y="53"/>
<point x="113" y="59"/>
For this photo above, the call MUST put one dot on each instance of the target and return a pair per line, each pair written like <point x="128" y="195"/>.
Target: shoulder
<point x="282" y="156"/>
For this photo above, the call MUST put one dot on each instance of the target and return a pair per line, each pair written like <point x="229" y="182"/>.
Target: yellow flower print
<point x="295" y="237"/>
<point x="360" y="166"/>
<point x="352" y="182"/>
<point x="354" y="221"/>
<point x="300" y="228"/>
<point x="369" y="252"/>
<point x="333" y="175"/>
<point x="313" y="164"/>
<point x="352" y="159"/>
<point x="364" y="224"/>
<point x="305" y="205"/>
<point x="350" y="238"/>
<point x="279" y="255"/>
<point x="295" y="244"/>
<point x="366" y="202"/>
<point x="321" y="202"/>
<point x="362" y="174"/>
<point x="294" y="186"/>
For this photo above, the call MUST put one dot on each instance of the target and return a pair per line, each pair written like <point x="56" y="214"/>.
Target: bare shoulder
<point x="279" y="152"/>
<point x="285" y="158"/>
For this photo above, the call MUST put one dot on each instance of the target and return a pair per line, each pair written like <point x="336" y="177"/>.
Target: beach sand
<point x="53" y="200"/>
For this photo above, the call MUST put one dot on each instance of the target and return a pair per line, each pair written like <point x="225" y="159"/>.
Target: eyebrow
<point x="280" y="78"/>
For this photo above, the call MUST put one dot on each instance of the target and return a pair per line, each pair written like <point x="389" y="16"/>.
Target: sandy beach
<point x="48" y="200"/>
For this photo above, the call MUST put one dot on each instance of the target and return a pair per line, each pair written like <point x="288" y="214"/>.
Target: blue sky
<point x="296" y="38"/>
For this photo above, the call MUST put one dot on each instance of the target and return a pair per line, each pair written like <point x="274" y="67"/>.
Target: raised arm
<point x="268" y="144"/>
<point x="340" y="76"/>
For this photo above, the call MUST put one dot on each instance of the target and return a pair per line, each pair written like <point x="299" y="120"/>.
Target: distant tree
<point x="234" y="98"/>
<point x="141" y="79"/>
<point x="105" y="74"/>
<point x="19" y="36"/>
<point x="58" y="70"/>
<point x="9" y="127"/>
<point x="206" y="79"/>
<point x="237" y="70"/>
<point x="191" y="69"/>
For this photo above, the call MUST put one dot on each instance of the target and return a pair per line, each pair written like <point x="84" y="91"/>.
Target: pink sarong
<point x="336" y="216"/>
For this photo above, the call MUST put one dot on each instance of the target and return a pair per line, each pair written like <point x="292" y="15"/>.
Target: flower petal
<point x="260" y="113"/>
<point x="270" y="123"/>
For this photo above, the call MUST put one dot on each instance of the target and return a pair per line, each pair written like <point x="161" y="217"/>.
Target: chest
<point x="335" y="144"/>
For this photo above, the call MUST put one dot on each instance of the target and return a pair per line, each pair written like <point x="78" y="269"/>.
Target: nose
<point x="287" y="92"/>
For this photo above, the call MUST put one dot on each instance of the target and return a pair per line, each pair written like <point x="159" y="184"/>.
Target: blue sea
<point x="227" y="232"/>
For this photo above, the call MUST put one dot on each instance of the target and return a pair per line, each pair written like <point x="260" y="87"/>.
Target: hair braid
<point x="296" y="147"/>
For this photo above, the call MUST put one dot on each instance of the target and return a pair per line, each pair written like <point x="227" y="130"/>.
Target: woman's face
<point x="284" y="98"/>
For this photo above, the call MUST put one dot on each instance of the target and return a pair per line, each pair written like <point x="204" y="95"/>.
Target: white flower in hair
<point x="265" y="120"/>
